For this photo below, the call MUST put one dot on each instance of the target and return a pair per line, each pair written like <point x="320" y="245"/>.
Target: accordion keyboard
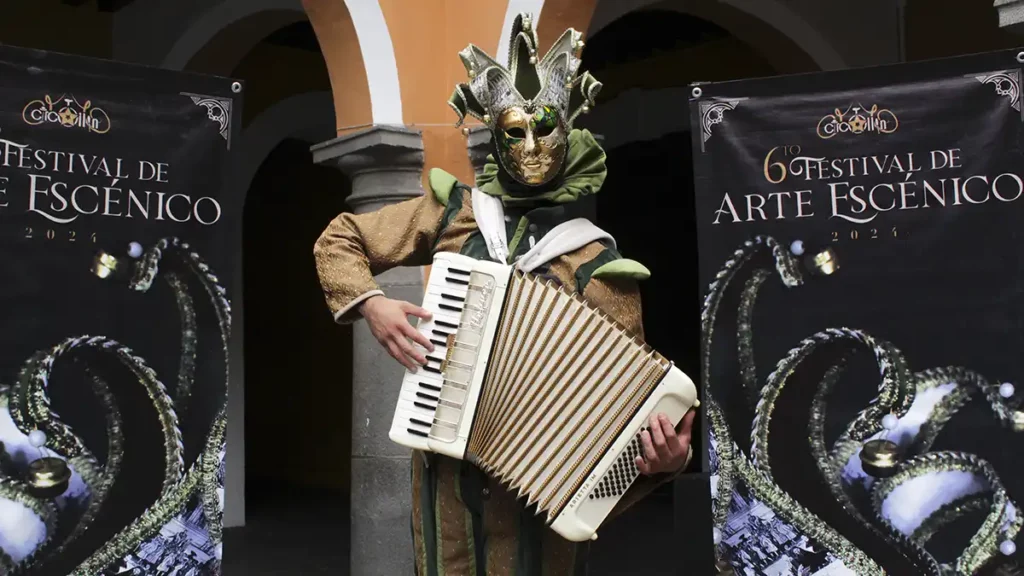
<point x="420" y="393"/>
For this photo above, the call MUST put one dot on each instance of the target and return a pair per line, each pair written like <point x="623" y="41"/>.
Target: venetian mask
<point x="532" y="147"/>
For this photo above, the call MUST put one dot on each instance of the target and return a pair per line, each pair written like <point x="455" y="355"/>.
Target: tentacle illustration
<point x="30" y="407"/>
<point x="33" y="516"/>
<point x="896" y="391"/>
<point x="786" y="265"/>
<point x="745" y="343"/>
<point x="963" y="475"/>
<point x="100" y="533"/>
<point x="189" y="342"/>
<point x="160" y="513"/>
<point x="764" y="489"/>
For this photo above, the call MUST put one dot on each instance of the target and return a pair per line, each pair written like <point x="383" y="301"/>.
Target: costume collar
<point x="584" y="174"/>
<point x="564" y="238"/>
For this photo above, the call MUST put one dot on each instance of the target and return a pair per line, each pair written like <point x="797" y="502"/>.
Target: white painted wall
<point x="515" y="8"/>
<point x="379" y="60"/>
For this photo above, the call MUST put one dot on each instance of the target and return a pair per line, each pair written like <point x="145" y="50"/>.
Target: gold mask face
<point x="532" y="146"/>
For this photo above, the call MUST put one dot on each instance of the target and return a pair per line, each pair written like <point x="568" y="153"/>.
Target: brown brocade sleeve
<point x="356" y="247"/>
<point x="620" y="299"/>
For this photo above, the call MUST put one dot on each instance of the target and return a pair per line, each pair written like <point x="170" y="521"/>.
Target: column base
<point x="385" y="164"/>
<point x="1011" y="15"/>
<point x="381" y="520"/>
<point x="377" y="377"/>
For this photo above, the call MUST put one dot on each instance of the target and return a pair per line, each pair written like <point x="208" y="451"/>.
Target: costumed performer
<point x="523" y="211"/>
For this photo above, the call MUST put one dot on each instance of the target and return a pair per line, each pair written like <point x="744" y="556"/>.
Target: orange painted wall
<point x="427" y="36"/>
<point x="557" y="15"/>
<point x="336" y="34"/>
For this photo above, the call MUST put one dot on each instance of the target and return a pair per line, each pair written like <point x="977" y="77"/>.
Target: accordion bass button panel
<point x="616" y="471"/>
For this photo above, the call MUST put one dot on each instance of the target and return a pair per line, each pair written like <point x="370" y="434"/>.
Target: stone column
<point x="1011" y="15"/>
<point x="479" y="146"/>
<point x="385" y="165"/>
<point x="478" y="143"/>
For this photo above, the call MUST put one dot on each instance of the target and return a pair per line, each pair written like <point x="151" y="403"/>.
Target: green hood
<point x="584" y="174"/>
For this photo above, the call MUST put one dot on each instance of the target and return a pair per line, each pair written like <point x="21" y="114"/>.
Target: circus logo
<point x="858" y="120"/>
<point x="68" y="112"/>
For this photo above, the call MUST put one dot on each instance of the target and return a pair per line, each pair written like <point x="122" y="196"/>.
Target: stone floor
<point x="642" y="541"/>
<point x="303" y="532"/>
<point x="295" y="532"/>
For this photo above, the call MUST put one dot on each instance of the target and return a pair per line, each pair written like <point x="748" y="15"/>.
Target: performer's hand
<point x="389" y="324"/>
<point x="665" y="448"/>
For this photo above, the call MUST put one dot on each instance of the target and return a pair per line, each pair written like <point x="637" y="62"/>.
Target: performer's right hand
<point x="389" y="323"/>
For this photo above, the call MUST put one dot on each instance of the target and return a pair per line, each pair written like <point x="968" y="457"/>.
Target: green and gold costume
<point x="463" y="522"/>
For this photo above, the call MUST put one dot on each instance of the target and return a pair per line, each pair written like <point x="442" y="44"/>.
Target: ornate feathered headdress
<point x="527" y="81"/>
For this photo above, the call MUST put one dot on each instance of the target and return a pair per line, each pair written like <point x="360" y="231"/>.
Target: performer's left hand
<point x="665" y="448"/>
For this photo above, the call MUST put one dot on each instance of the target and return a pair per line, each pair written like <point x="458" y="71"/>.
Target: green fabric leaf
<point x="441" y="183"/>
<point x="622" y="268"/>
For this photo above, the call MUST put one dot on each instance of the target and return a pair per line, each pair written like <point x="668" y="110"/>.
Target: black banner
<point x="860" y="242"/>
<point x="116" y="237"/>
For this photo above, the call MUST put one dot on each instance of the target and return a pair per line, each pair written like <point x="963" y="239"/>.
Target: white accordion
<point x="536" y="387"/>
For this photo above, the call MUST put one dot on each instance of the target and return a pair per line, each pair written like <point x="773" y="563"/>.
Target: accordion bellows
<point x="537" y="387"/>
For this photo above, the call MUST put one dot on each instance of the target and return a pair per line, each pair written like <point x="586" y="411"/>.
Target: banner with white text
<point x="860" y="237"/>
<point x="115" y="240"/>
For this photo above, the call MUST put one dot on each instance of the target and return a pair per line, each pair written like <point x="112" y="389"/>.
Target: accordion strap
<point x="562" y="239"/>
<point x="490" y="219"/>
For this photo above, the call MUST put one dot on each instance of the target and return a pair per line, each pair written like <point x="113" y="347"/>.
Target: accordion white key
<point x="538" y="388"/>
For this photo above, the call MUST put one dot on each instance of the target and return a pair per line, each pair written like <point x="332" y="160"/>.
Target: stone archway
<point x="779" y="35"/>
<point x="644" y="117"/>
<point x="306" y="117"/>
<point x="378" y="53"/>
<point x="356" y="44"/>
<point x="353" y="36"/>
<point x="262" y="17"/>
<point x="638" y="106"/>
<point x="788" y="26"/>
<point x="515" y="8"/>
<point x="645" y="111"/>
<point x="216" y="42"/>
<point x="300" y="116"/>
